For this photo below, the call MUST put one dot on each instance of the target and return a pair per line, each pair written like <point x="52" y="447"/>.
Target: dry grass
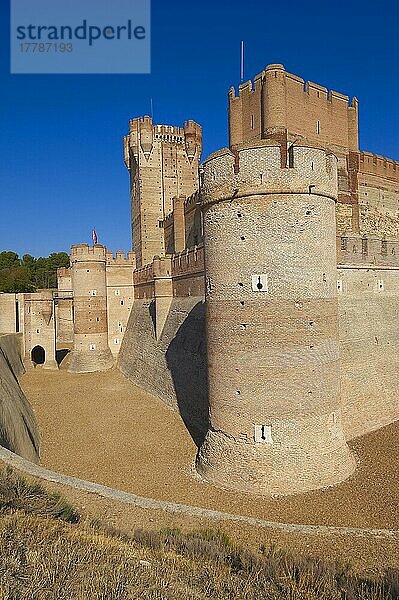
<point x="47" y="553"/>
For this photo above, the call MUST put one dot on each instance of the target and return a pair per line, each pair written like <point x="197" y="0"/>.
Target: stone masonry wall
<point x="174" y="366"/>
<point x="18" y="428"/>
<point x="369" y="347"/>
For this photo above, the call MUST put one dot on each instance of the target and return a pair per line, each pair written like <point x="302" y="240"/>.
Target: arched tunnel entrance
<point x="38" y="355"/>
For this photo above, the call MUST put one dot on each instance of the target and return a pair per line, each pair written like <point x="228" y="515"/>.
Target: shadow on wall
<point x="187" y="361"/>
<point x="61" y="354"/>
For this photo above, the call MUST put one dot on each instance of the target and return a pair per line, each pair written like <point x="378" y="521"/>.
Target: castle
<point x="261" y="295"/>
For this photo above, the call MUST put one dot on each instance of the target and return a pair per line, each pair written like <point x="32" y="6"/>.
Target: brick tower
<point x="272" y="321"/>
<point x="91" y="351"/>
<point x="163" y="164"/>
<point x="281" y="106"/>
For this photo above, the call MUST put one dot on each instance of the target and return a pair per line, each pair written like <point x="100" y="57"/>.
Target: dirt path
<point x="101" y="428"/>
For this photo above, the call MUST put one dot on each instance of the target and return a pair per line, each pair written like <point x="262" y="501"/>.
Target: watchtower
<point x="163" y="163"/>
<point x="272" y="321"/>
<point x="91" y="351"/>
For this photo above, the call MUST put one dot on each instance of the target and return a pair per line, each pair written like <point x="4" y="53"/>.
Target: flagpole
<point x="242" y="63"/>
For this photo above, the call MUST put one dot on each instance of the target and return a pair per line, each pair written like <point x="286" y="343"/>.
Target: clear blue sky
<point x="61" y="167"/>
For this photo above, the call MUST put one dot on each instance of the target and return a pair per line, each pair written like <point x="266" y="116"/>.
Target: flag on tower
<point x="94" y="236"/>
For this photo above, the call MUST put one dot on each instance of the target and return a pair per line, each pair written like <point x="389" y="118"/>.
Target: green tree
<point x="30" y="273"/>
<point x="9" y="260"/>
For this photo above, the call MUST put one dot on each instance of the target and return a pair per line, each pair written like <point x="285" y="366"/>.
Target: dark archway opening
<point x="61" y="354"/>
<point x="38" y="355"/>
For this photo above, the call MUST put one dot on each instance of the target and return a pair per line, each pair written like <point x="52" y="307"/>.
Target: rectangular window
<point x="365" y="246"/>
<point x="384" y="248"/>
<point x="344" y="244"/>
<point x="92" y="346"/>
<point x="93" y="292"/>
<point x="318" y="127"/>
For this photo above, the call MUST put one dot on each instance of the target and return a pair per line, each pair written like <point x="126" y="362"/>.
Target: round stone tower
<point x="272" y="322"/>
<point x="91" y="351"/>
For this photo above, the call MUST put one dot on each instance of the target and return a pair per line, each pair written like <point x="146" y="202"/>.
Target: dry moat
<point x="101" y="428"/>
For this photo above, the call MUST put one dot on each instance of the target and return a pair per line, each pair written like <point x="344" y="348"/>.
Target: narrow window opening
<point x="291" y="157"/>
<point x="263" y="434"/>
<point x="318" y="127"/>
<point x="17" y="316"/>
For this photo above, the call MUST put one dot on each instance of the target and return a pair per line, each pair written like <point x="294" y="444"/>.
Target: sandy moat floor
<point x="101" y="428"/>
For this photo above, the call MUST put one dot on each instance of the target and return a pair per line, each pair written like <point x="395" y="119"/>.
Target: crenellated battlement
<point x="143" y="131"/>
<point x="188" y="262"/>
<point x="257" y="169"/>
<point x="374" y="164"/>
<point x="120" y="259"/>
<point x="160" y="130"/>
<point x="279" y="105"/>
<point x="84" y="252"/>
<point x="367" y="251"/>
<point x="192" y="201"/>
<point x="307" y="87"/>
<point x="144" y="274"/>
<point x="168" y="220"/>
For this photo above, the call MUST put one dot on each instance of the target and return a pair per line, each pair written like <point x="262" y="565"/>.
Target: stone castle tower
<point x="272" y="321"/>
<point x="163" y="163"/>
<point x="91" y="351"/>
<point x="280" y="106"/>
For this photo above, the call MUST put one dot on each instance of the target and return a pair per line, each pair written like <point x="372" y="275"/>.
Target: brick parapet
<point x="191" y="202"/>
<point x="84" y="252"/>
<point x="189" y="262"/>
<point x="367" y="250"/>
<point x="144" y="275"/>
<point x="308" y="87"/>
<point x="374" y="164"/>
<point x="120" y="259"/>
